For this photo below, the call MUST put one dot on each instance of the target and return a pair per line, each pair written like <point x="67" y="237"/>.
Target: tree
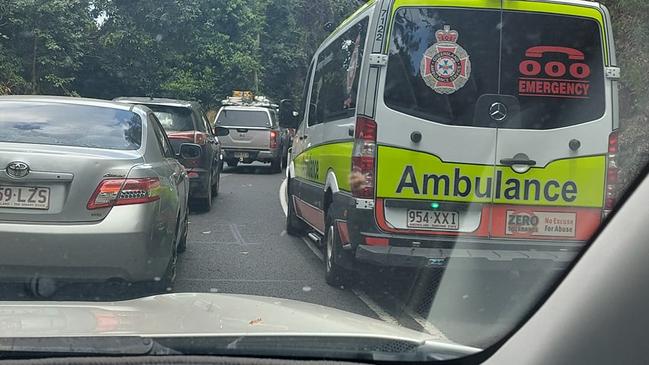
<point x="42" y="44"/>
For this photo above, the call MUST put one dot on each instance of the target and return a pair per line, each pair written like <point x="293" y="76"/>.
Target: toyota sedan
<point x="90" y="190"/>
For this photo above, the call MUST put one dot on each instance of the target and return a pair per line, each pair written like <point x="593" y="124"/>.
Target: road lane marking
<point x="313" y="248"/>
<point x="374" y="307"/>
<point x="427" y="326"/>
<point x="243" y="280"/>
<point x="282" y="197"/>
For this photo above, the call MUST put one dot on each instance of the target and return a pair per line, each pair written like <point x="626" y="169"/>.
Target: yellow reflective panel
<point x="313" y="164"/>
<point x="577" y="182"/>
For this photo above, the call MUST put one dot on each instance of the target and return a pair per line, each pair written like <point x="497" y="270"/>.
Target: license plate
<point x="433" y="219"/>
<point x="24" y="197"/>
<point x="241" y="154"/>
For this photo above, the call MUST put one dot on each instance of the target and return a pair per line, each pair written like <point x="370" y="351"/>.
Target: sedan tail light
<point x="191" y="136"/>
<point x="112" y="192"/>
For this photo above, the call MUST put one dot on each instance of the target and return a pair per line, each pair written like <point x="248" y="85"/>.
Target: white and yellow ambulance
<point x="474" y="131"/>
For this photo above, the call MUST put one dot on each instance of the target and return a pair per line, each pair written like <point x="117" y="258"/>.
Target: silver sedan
<point x="90" y="190"/>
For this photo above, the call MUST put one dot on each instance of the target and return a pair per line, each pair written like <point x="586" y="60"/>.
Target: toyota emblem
<point x="498" y="111"/>
<point x="17" y="169"/>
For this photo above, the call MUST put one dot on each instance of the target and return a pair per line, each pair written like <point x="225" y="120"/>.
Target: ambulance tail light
<point x="612" y="173"/>
<point x="364" y="158"/>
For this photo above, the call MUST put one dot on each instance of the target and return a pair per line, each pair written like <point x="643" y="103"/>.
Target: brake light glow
<point x="273" y="139"/>
<point x="612" y="173"/>
<point x="112" y="192"/>
<point x="191" y="136"/>
<point x="364" y="158"/>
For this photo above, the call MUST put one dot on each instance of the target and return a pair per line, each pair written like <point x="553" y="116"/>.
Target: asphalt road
<point x="241" y="247"/>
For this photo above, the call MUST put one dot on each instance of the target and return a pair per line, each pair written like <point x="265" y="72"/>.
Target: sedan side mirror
<point x="190" y="151"/>
<point x="220" y="131"/>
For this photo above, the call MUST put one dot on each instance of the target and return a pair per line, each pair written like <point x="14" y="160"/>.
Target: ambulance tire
<point x="276" y="165"/>
<point x="294" y="226"/>
<point x="335" y="275"/>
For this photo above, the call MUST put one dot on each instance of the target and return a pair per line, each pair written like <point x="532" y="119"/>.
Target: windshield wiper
<point x="80" y="346"/>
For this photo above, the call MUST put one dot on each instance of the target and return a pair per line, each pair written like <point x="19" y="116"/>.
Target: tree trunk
<point x="34" y="58"/>
<point x="256" y="75"/>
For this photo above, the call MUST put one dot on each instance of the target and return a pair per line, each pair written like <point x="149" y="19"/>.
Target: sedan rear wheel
<point x="182" y="245"/>
<point x="206" y="202"/>
<point x="217" y="184"/>
<point x="165" y="283"/>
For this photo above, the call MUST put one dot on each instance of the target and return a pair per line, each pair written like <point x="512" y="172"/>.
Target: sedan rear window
<point x="243" y="118"/>
<point x="174" y="119"/>
<point x="70" y="125"/>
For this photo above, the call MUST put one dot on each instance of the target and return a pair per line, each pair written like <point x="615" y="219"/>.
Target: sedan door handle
<point x="516" y="161"/>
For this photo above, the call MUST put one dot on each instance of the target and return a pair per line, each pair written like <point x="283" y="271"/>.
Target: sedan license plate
<point x="241" y="154"/>
<point x="24" y="197"/>
<point x="433" y="219"/>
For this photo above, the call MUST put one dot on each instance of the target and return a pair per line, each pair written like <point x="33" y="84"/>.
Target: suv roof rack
<point x="260" y="101"/>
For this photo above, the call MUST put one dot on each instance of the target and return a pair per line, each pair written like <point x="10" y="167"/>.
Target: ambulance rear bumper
<point x="475" y="253"/>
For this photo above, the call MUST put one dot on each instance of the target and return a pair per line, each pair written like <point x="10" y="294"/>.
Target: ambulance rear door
<point x="554" y="118"/>
<point x="436" y="153"/>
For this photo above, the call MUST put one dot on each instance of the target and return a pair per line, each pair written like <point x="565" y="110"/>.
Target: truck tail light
<point x="112" y="192"/>
<point x="273" y="139"/>
<point x="364" y="158"/>
<point x="612" y="173"/>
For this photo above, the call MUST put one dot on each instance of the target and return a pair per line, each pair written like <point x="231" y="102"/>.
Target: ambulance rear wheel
<point x="335" y="274"/>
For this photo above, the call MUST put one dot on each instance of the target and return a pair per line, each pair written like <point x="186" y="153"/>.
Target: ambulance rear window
<point x="442" y="61"/>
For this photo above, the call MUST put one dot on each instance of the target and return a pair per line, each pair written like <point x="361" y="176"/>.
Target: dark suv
<point x="185" y="121"/>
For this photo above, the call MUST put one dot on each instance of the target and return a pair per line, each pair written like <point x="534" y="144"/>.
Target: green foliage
<point x="42" y="44"/>
<point x="631" y="30"/>
<point x="204" y="49"/>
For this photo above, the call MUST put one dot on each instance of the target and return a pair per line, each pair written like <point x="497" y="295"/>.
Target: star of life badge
<point x="445" y="66"/>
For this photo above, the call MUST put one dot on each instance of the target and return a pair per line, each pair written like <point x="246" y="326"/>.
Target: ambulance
<point x="445" y="132"/>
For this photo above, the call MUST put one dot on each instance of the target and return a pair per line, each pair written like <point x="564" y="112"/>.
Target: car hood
<point x="189" y="314"/>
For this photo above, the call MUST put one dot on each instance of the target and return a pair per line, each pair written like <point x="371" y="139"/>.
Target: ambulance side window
<point x="305" y="93"/>
<point x="337" y="72"/>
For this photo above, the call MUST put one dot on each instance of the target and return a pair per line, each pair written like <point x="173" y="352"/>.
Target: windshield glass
<point x="173" y="119"/>
<point x="62" y="124"/>
<point x="386" y="181"/>
<point x="243" y="118"/>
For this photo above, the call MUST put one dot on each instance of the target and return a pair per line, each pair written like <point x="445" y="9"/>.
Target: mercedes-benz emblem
<point x="498" y="111"/>
<point x="17" y="169"/>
